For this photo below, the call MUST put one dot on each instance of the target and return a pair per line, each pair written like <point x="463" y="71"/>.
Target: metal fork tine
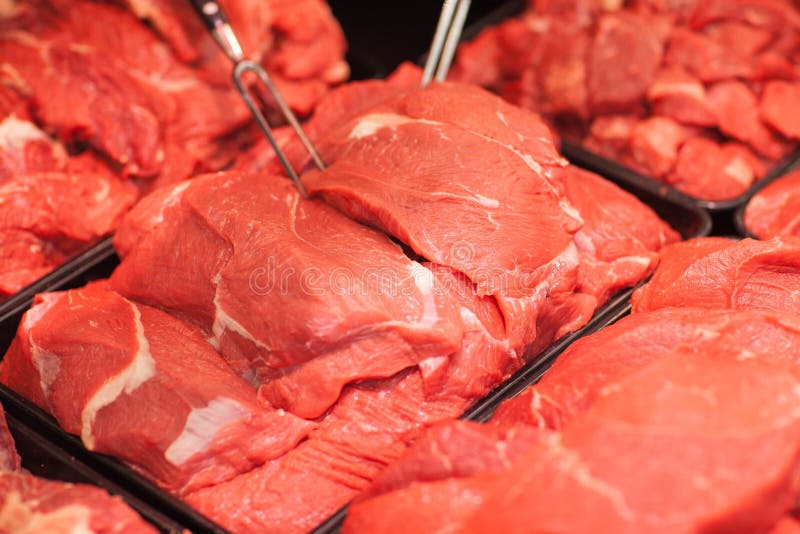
<point x="255" y="110"/>
<point x="453" y="37"/>
<point x="216" y="21"/>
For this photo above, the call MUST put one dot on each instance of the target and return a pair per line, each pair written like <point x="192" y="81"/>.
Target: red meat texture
<point x="775" y="210"/>
<point x="706" y="89"/>
<point x="403" y="290"/>
<point x="32" y="504"/>
<point x="637" y="444"/>
<point x="152" y="104"/>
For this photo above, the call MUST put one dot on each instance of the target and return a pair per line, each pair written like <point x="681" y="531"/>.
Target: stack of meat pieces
<point x="699" y="94"/>
<point x="95" y="105"/>
<point x="291" y="350"/>
<point x="32" y="504"/>
<point x="675" y="419"/>
<point x="775" y="210"/>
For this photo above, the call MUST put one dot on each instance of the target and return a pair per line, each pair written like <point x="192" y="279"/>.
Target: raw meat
<point x="621" y="63"/>
<point x="29" y="504"/>
<point x="775" y="210"/>
<point x="724" y="74"/>
<point x="138" y="384"/>
<point x="787" y="525"/>
<point x="9" y="459"/>
<point x="716" y="273"/>
<point x="590" y="364"/>
<point x="36" y="231"/>
<point x="777" y="106"/>
<point x="622" y="466"/>
<point x="351" y="293"/>
<point x="300" y="43"/>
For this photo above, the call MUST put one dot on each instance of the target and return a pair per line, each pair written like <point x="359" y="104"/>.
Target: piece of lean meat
<point x="775" y="210"/>
<point x="620" y="466"/>
<point x="29" y="504"/>
<point x="295" y="296"/>
<point x="720" y="273"/>
<point x="37" y="232"/>
<point x="140" y="385"/>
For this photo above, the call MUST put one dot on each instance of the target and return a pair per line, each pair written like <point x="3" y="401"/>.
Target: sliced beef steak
<point x="138" y="384"/>
<point x="9" y="459"/>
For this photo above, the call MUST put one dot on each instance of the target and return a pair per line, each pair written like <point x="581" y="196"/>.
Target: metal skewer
<point x="445" y="40"/>
<point x="217" y="23"/>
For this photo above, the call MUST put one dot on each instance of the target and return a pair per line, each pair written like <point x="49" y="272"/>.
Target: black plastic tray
<point x="46" y="460"/>
<point x="738" y="217"/>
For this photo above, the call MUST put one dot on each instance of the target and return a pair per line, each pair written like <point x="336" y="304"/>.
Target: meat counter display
<point x="699" y="95"/>
<point x="290" y="349"/>
<point x="101" y="102"/>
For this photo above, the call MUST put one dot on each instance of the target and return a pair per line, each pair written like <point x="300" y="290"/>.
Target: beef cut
<point x="773" y="211"/>
<point x="719" y="273"/>
<point x="704" y="87"/>
<point x="350" y="292"/>
<point x="138" y="384"/>
<point x="41" y="188"/>
<point x="671" y="461"/>
<point x="110" y="90"/>
<point x="31" y="504"/>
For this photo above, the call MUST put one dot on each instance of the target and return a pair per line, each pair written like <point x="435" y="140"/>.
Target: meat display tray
<point x="738" y="217"/>
<point x="44" y="459"/>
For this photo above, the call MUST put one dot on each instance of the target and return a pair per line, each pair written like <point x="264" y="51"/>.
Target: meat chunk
<point x="746" y="275"/>
<point x="350" y="291"/>
<point x="703" y="57"/>
<point x="93" y="359"/>
<point x="777" y="107"/>
<point x="622" y="63"/>
<point x="9" y="459"/>
<point x="677" y="94"/>
<point x="655" y="143"/>
<point x="773" y="211"/>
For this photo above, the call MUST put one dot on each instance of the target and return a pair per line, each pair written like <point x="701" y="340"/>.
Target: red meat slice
<point x="619" y="237"/>
<point x="588" y="366"/>
<point x="655" y="143"/>
<point x="9" y="459"/>
<point x="350" y="291"/>
<point x="649" y="465"/>
<point x="562" y="72"/>
<point x="677" y="94"/>
<point x="364" y="432"/>
<point x="138" y="384"/>
<point x="30" y="504"/>
<point x="623" y="466"/>
<point x="746" y="275"/>
<point x="775" y="210"/>
<point x="703" y="57"/>
<point x="438" y="470"/>
<point x="777" y="107"/>
<point x="622" y="62"/>
<point x="709" y="171"/>
<point x="737" y="111"/>
<point x="27" y="149"/>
